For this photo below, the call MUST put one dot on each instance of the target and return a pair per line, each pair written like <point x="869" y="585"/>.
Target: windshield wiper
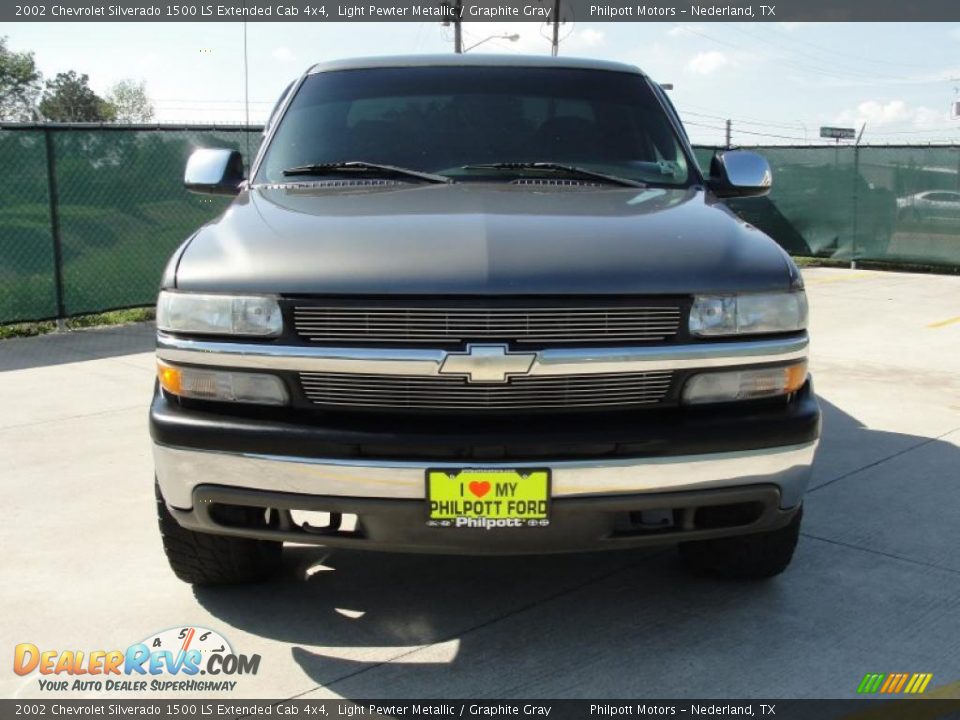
<point x="363" y="166"/>
<point x="569" y="170"/>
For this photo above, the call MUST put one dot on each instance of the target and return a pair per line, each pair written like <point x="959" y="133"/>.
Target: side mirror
<point x="739" y="173"/>
<point x="214" y="171"/>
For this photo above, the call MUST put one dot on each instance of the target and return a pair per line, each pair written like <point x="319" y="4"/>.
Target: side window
<point x="943" y="197"/>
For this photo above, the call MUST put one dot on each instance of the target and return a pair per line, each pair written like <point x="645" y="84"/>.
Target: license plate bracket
<point x="488" y="498"/>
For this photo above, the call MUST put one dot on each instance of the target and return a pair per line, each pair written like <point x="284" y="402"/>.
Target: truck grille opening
<point x="645" y="322"/>
<point x="453" y="393"/>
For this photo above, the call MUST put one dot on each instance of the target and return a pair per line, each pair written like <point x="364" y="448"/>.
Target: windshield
<point x="448" y="120"/>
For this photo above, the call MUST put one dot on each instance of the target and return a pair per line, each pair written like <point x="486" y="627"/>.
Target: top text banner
<point x="482" y="11"/>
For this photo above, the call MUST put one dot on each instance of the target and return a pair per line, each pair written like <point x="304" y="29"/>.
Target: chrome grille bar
<point x="520" y="325"/>
<point x="451" y="393"/>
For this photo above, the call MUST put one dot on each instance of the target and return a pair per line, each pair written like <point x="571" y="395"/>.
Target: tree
<point x="68" y="98"/>
<point x="19" y="84"/>
<point x="130" y="101"/>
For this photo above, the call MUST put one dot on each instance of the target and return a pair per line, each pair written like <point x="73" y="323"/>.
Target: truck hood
<point x="479" y="239"/>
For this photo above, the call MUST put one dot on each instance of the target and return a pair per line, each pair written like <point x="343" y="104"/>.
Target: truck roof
<point x="472" y="60"/>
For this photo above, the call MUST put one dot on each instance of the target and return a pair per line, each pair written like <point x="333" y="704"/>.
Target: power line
<point x="747" y="132"/>
<point x="917" y="131"/>
<point x="745" y="121"/>
<point x="782" y="137"/>
<point x="704" y="125"/>
<point x="826" y="49"/>
<point x="818" y="70"/>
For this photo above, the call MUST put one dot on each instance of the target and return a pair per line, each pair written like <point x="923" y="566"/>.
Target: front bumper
<point x="599" y="522"/>
<point x="703" y="473"/>
<point x="181" y="471"/>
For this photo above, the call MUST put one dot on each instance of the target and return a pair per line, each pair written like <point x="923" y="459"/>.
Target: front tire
<point x="206" y="559"/>
<point x="744" y="557"/>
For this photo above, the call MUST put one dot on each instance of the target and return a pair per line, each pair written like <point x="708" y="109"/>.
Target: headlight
<point x="218" y="314"/>
<point x="222" y="385"/>
<point x="748" y="314"/>
<point x="753" y="384"/>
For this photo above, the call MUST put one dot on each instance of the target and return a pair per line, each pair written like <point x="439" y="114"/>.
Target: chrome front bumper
<point x="420" y="362"/>
<point x="179" y="471"/>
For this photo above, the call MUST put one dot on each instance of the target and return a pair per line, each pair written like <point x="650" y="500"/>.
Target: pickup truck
<point x="479" y="305"/>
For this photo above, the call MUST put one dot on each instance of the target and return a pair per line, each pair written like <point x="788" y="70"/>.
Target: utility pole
<point x="457" y="29"/>
<point x="728" y="134"/>
<point x="555" y="43"/>
<point x="856" y="198"/>
<point x="456" y="10"/>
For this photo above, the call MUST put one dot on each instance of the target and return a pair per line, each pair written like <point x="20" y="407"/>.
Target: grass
<point x="113" y="317"/>
<point x="112" y="255"/>
<point x="890" y="265"/>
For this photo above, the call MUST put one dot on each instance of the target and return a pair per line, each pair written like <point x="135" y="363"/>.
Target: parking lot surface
<point x="874" y="587"/>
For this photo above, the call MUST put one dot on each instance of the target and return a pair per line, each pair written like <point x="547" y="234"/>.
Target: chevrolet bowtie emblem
<point x="487" y="363"/>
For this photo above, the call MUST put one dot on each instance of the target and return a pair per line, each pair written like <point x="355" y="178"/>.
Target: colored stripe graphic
<point x="907" y="683"/>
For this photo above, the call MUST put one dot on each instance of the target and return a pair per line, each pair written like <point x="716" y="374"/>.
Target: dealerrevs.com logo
<point x="172" y="660"/>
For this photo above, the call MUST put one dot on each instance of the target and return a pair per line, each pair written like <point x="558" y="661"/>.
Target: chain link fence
<point x="89" y="215"/>
<point x="896" y="204"/>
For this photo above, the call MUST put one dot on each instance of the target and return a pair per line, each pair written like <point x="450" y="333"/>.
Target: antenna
<point x="246" y="92"/>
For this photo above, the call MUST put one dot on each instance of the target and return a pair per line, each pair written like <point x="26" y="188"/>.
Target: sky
<point x="777" y="82"/>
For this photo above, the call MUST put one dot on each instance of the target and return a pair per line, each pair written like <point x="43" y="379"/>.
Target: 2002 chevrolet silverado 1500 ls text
<point x="479" y="305"/>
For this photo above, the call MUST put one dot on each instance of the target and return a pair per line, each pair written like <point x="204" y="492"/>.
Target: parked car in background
<point x="826" y="211"/>
<point x="468" y="304"/>
<point x="932" y="206"/>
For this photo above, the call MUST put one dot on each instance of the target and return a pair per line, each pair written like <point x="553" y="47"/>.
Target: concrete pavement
<point x="875" y="586"/>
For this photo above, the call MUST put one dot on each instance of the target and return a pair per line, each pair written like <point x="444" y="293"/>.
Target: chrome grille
<point x="527" y="392"/>
<point x="620" y="324"/>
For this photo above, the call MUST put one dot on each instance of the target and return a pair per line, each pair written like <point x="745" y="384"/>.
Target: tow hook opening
<point x="686" y="519"/>
<point x="309" y="522"/>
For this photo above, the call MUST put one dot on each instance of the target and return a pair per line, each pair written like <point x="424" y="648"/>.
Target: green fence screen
<point x="120" y="206"/>
<point x="120" y="209"/>
<point x="27" y="270"/>
<point x="895" y="204"/>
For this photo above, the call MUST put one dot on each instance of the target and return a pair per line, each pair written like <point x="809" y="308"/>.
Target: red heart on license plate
<point x="479" y="488"/>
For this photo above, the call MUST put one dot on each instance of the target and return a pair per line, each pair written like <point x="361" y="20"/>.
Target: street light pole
<point x="511" y="37"/>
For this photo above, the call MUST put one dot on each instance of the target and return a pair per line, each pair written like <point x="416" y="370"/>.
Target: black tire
<point x="206" y="559"/>
<point x="744" y="557"/>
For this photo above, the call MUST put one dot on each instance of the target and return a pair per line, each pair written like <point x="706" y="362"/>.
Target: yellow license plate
<point x="488" y="498"/>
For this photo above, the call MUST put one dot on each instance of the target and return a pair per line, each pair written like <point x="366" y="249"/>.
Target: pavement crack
<point x="921" y="563"/>
<point x="882" y="460"/>
<point x="6" y="428"/>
